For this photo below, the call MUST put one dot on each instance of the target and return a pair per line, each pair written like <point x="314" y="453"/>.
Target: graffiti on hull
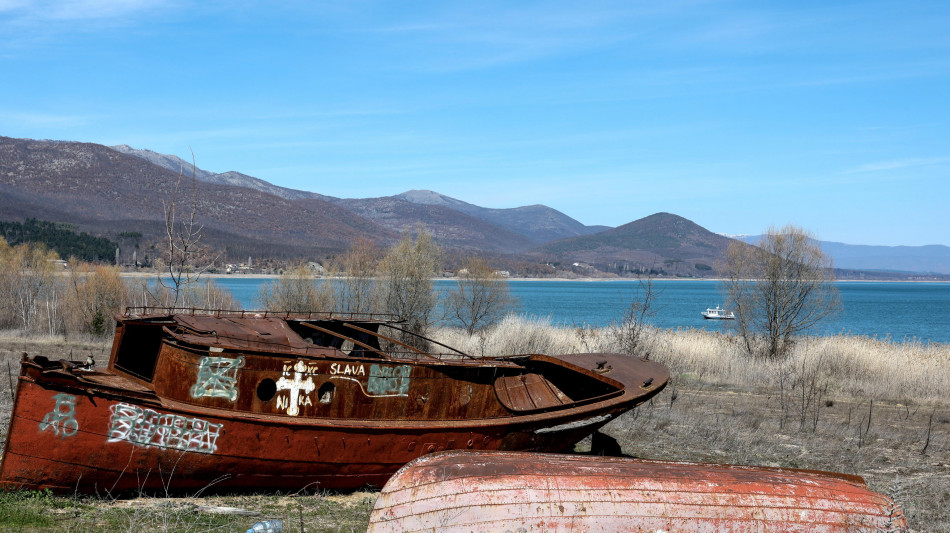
<point x="146" y="427"/>
<point x="217" y="377"/>
<point x="298" y="388"/>
<point x="389" y="380"/>
<point x="62" y="419"/>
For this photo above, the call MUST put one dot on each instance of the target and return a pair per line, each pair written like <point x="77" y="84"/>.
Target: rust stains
<point x="502" y="491"/>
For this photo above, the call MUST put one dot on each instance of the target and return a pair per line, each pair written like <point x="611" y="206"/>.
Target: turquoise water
<point x="900" y="311"/>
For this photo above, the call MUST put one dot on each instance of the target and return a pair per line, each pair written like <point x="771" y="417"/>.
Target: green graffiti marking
<point x="217" y="377"/>
<point x="62" y="419"/>
<point x="388" y="380"/>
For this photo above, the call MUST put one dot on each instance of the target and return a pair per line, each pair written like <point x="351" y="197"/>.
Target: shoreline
<point x="579" y="280"/>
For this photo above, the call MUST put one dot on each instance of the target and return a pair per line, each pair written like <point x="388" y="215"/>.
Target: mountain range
<point x="934" y="259"/>
<point x="106" y="191"/>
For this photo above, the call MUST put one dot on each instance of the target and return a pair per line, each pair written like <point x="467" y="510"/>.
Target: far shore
<point x="217" y="275"/>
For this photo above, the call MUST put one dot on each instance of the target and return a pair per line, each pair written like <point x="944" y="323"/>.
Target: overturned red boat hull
<point x="506" y="491"/>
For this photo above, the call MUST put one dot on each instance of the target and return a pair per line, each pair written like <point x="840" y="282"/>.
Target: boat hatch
<point x="551" y="385"/>
<point x="529" y="392"/>
<point x="239" y="333"/>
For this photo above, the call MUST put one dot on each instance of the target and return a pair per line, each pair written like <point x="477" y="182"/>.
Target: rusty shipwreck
<point x="262" y="400"/>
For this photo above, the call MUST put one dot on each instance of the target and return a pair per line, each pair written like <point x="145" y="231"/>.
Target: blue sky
<point x="834" y="116"/>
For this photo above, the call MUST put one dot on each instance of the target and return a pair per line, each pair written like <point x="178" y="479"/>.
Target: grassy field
<point x="861" y="406"/>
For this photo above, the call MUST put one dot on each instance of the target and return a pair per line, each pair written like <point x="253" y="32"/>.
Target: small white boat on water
<point x="718" y="314"/>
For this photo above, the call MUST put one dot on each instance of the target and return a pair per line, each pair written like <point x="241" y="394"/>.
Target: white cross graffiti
<point x="295" y="386"/>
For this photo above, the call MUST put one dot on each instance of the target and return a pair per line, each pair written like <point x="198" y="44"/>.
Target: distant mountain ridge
<point x="934" y="258"/>
<point x="539" y="223"/>
<point x="521" y="227"/>
<point x="661" y="242"/>
<point x="177" y="164"/>
<point x="447" y="225"/>
<point x="106" y="191"/>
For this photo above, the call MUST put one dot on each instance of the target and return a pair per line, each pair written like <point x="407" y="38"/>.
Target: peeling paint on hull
<point x="503" y="491"/>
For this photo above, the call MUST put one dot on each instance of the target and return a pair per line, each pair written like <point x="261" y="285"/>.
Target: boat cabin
<point x="336" y="365"/>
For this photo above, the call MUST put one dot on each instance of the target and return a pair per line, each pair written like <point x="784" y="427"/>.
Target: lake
<point x="901" y="311"/>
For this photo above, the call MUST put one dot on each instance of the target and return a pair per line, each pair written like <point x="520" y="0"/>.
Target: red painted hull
<point x="500" y="491"/>
<point x="252" y="401"/>
<point x="230" y="451"/>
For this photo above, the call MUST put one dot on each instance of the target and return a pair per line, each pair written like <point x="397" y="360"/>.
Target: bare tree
<point x="406" y="274"/>
<point x="779" y="289"/>
<point x="297" y="290"/>
<point x="359" y="287"/>
<point x="480" y="298"/>
<point x="630" y="332"/>
<point x="205" y="294"/>
<point x="26" y="280"/>
<point x="93" y="296"/>
<point x="183" y="241"/>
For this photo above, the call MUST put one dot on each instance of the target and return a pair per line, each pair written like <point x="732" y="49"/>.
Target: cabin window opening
<point x="326" y="392"/>
<point x="336" y="333"/>
<point x="138" y="350"/>
<point x="358" y="350"/>
<point x="266" y="390"/>
<point x="319" y="338"/>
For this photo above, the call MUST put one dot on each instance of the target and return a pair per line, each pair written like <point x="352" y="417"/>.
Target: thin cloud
<point x="48" y="120"/>
<point x="475" y="38"/>
<point x="899" y="164"/>
<point x="28" y="24"/>
<point x="26" y="12"/>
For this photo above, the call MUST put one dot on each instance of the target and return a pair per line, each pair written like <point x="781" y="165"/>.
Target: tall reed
<point x="851" y="365"/>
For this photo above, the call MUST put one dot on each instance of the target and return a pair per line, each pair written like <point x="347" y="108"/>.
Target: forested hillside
<point x="60" y="237"/>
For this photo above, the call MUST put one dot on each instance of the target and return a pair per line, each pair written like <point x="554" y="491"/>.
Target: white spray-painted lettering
<point x="62" y="419"/>
<point x="307" y="369"/>
<point x="295" y="386"/>
<point x="217" y="377"/>
<point x="346" y="370"/>
<point x="146" y="427"/>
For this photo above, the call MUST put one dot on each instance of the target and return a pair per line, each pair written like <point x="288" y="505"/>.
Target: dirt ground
<point x="901" y="449"/>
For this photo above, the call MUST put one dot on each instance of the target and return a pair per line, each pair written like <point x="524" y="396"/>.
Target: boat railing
<point x="233" y="313"/>
<point x="390" y="346"/>
<point x="407" y="355"/>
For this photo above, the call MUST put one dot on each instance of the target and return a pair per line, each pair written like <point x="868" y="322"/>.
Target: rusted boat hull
<point x="256" y="400"/>
<point x="69" y="438"/>
<point x="501" y="491"/>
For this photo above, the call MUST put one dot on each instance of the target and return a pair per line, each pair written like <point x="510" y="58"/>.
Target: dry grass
<point x="854" y="366"/>
<point x="870" y="407"/>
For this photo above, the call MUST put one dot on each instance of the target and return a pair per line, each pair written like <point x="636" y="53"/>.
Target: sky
<point x="737" y="115"/>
